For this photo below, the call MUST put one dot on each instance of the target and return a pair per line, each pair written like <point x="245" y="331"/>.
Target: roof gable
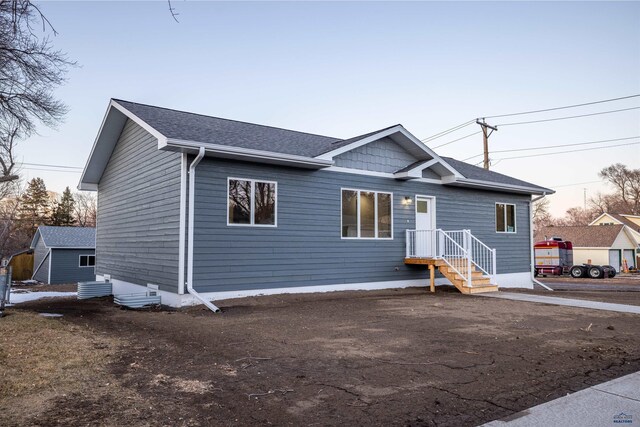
<point x="383" y="155"/>
<point x="65" y="237"/>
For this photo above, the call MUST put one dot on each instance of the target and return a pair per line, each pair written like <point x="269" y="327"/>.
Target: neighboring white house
<point x="600" y="244"/>
<point x="632" y="227"/>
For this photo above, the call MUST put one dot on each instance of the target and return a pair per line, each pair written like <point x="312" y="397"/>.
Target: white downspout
<point x="192" y="191"/>
<point x="531" y="243"/>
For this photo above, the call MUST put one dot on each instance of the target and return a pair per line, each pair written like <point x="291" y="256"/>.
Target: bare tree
<point x="577" y="216"/>
<point x="30" y="69"/>
<point x="627" y="186"/>
<point x="540" y="214"/>
<point x="12" y="237"/>
<point x="85" y="209"/>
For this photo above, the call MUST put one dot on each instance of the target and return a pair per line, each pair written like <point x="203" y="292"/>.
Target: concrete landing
<point x="595" y="305"/>
<point x="614" y="403"/>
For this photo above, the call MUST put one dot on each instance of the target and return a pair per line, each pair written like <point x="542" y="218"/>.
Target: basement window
<point x="251" y="202"/>
<point x="87" y="261"/>
<point x="366" y="215"/>
<point x="505" y="218"/>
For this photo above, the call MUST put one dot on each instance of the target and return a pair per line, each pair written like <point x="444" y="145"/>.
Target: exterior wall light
<point x="408" y="200"/>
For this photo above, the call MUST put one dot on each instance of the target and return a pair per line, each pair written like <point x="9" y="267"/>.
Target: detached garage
<point x="601" y="245"/>
<point x="64" y="254"/>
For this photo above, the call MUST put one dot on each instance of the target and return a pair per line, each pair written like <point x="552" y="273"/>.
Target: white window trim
<point x="86" y="266"/>
<point x="515" y="216"/>
<point x="253" y="202"/>
<point x="358" y="214"/>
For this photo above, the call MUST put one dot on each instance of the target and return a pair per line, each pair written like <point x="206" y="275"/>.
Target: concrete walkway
<point x="595" y="305"/>
<point x="614" y="403"/>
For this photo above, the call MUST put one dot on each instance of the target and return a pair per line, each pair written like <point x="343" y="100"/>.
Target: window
<point x="366" y="215"/>
<point x="87" y="260"/>
<point x="251" y="202"/>
<point x="505" y="218"/>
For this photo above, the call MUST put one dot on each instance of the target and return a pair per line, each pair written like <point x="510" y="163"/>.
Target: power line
<point x="51" y="170"/>
<point x="569" y="151"/>
<point x="50" y="166"/>
<point x="563" y="108"/>
<point x="448" y="131"/>
<point x="577" y="183"/>
<point x="456" y="140"/>
<point x="555" y="146"/>
<point x="568" y="117"/>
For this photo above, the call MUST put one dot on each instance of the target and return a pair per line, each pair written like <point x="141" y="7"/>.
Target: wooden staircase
<point x="479" y="282"/>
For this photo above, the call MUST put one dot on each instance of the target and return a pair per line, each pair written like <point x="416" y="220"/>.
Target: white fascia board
<point x="364" y="141"/>
<point x="378" y="174"/>
<point x="415" y="172"/>
<point x="499" y="186"/>
<point x="34" y="241"/>
<point x="93" y="186"/>
<point x="603" y="215"/>
<point x="431" y="153"/>
<point x="72" y="247"/>
<point x="396" y="129"/>
<point x="632" y="235"/>
<point x="239" y="153"/>
<point x="85" y="186"/>
<point x="144" y="125"/>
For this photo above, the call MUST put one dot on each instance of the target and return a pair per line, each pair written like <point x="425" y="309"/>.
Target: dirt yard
<point x="398" y="357"/>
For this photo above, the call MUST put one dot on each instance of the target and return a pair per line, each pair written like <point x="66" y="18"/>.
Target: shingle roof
<point x="182" y="125"/>
<point x="67" y="237"/>
<point x="586" y="236"/>
<point x="214" y="130"/>
<point x="475" y="172"/>
<point x="632" y="225"/>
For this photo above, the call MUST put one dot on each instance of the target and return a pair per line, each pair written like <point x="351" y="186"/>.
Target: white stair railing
<point x="459" y="249"/>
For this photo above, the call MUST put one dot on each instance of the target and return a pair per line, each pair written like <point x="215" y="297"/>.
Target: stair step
<point x="478" y="289"/>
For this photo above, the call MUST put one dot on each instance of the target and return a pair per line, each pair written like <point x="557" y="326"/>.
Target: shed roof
<point x="584" y="236"/>
<point x="65" y="237"/>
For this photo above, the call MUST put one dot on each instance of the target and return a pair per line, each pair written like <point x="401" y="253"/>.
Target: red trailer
<point x="555" y="257"/>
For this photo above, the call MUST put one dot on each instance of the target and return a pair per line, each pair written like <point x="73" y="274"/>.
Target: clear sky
<point x="346" y="68"/>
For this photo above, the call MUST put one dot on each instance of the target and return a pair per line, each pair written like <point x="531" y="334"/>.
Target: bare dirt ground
<point x="397" y="357"/>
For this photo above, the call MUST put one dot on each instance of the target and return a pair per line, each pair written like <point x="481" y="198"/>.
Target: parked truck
<point x="555" y="257"/>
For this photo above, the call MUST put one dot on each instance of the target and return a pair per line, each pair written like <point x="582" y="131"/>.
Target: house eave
<point x="474" y="183"/>
<point x="245" y="154"/>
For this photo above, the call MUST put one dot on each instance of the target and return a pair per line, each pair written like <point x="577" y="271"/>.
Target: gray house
<point x="64" y="254"/>
<point x="204" y="208"/>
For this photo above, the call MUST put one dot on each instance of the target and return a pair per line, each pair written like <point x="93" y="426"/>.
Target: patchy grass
<point x="44" y="360"/>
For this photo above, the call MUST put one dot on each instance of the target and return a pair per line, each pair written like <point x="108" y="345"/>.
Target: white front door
<point x="425" y="224"/>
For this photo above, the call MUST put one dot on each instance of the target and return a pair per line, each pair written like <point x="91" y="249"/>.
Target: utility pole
<point x="585" y="199"/>
<point x="485" y="137"/>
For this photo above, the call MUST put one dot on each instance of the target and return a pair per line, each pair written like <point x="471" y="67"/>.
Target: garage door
<point x="614" y="259"/>
<point x="630" y="257"/>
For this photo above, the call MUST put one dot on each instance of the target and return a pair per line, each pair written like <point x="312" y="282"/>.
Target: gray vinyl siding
<point x="306" y="248"/>
<point x="383" y="155"/>
<point x="39" y="252"/>
<point x="65" y="266"/>
<point x="139" y="212"/>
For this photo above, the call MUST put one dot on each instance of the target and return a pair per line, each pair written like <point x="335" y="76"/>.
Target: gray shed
<point x="64" y="254"/>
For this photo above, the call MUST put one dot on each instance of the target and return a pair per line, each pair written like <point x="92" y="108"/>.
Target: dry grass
<point x="42" y="359"/>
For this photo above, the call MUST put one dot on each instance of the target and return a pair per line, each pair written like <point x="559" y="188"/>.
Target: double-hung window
<point x="367" y="214"/>
<point x="87" y="261"/>
<point x="505" y="218"/>
<point x="251" y="202"/>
